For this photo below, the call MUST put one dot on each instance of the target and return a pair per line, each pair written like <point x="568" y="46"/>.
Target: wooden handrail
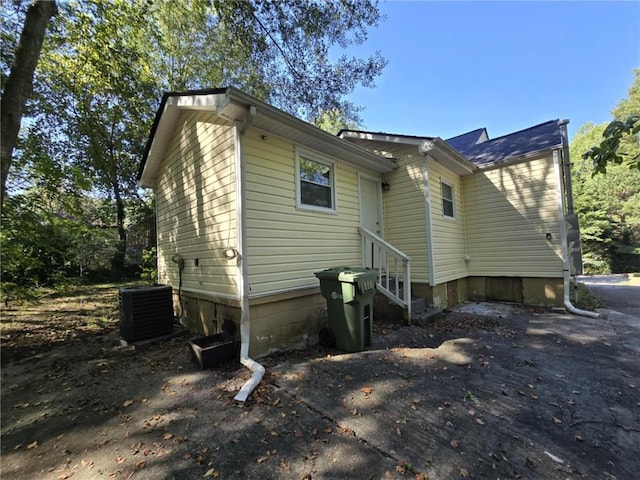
<point x="394" y="268"/>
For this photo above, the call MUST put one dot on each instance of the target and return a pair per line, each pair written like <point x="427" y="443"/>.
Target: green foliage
<point x="43" y="246"/>
<point x="620" y="143"/>
<point x="149" y="266"/>
<point x="333" y="121"/>
<point x="608" y="206"/>
<point x="101" y="74"/>
<point x="609" y="151"/>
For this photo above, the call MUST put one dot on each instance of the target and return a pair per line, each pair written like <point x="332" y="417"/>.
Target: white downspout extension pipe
<point x="257" y="370"/>
<point x="566" y="273"/>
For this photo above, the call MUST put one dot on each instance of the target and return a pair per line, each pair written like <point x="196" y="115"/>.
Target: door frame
<point x="380" y="208"/>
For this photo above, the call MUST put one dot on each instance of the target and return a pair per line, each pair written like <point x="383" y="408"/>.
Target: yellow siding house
<point x="251" y="201"/>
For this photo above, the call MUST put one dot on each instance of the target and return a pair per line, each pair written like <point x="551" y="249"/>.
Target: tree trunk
<point x="119" y="259"/>
<point x="20" y="81"/>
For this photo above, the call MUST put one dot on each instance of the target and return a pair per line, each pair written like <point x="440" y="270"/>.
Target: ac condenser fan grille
<point x="146" y="312"/>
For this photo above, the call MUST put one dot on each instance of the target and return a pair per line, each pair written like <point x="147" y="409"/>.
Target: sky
<point x="457" y="66"/>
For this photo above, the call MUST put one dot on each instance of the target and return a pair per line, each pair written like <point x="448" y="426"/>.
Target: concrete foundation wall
<point x="528" y="290"/>
<point x="444" y="295"/>
<point x="293" y="320"/>
<point x="205" y="314"/>
<point x="278" y="322"/>
<point x="543" y="291"/>
<point x="281" y="322"/>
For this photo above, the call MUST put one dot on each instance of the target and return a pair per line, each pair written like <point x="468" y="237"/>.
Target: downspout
<point x="257" y="370"/>
<point x="566" y="164"/>
<point x="566" y="273"/>
<point x="424" y="149"/>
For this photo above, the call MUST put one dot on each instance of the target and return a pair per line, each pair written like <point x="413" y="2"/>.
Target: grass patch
<point x="57" y="317"/>
<point x="585" y="299"/>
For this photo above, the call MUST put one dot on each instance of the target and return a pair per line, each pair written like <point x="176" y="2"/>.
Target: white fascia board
<point x="465" y="167"/>
<point x="232" y="105"/>
<point x="435" y="146"/>
<point x="207" y="102"/>
<point x="383" y="137"/>
<point x="336" y="146"/>
<point x="172" y="108"/>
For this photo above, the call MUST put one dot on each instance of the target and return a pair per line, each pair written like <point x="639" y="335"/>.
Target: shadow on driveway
<point x="520" y="393"/>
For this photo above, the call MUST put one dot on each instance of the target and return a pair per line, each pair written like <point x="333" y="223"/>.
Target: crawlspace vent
<point x="145" y="312"/>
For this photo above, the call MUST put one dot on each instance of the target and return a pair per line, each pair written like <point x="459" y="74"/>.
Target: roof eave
<point x="462" y="165"/>
<point x="355" y="154"/>
<point x="232" y="105"/>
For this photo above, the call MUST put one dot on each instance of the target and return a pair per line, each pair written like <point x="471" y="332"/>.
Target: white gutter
<point x="256" y="369"/>
<point x="563" y="241"/>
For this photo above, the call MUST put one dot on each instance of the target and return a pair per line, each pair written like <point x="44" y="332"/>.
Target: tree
<point x="19" y="83"/>
<point x="621" y="143"/>
<point x="103" y="70"/>
<point x="608" y="206"/>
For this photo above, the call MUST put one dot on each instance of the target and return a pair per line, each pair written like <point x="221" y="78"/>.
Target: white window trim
<point x="325" y="161"/>
<point x="453" y="198"/>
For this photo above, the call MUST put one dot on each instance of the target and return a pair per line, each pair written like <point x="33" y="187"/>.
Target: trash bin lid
<point x="346" y="274"/>
<point x="330" y="273"/>
<point x="364" y="278"/>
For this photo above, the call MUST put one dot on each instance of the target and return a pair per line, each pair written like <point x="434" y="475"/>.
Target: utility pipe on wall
<point x="566" y="273"/>
<point x="257" y="370"/>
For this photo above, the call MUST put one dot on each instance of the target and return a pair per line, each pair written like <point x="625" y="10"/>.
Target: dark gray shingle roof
<point x="467" y="140"/>
<point x="502" y="149"/>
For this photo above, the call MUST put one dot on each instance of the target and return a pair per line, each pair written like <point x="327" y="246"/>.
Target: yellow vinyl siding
<point x="404" y="211"/>
<point x="509" y="211"/>
<point x="448" y="234"/>
<point x="286" y="245"/>
<point x="195" y="198"/>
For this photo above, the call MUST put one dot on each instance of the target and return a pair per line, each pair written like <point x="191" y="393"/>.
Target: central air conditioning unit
<point x="146" y="312"/>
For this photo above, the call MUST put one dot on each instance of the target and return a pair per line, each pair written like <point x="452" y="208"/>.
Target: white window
<point x="315" y="183"/>
<point x="448" y="207"/>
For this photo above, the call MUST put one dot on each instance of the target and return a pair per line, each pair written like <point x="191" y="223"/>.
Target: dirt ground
<point x="515" y="393"/>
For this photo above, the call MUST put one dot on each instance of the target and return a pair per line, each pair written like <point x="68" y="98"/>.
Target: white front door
<point x="371" y="213"/>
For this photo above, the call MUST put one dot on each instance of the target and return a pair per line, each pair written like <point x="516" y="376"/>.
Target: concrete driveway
<point x="492" y="391"/>
<point x="487" y="391"/>
<point x="618" y="292"/>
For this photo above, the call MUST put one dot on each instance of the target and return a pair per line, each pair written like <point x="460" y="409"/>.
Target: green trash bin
<point x="349" y="292"/>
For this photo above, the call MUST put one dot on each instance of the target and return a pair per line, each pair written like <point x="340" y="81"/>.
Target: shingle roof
<point x="467" y="140"/>
<point x="502" y="149"/>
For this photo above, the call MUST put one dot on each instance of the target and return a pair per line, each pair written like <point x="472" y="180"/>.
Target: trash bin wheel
<point x="326" y="337"/>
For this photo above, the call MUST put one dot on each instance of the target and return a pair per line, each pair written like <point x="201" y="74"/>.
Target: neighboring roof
<point x="233" y="105"/>
<point x="522" y="143"/>
<point x="391" y="142"/>
<point x="469" y="139"/>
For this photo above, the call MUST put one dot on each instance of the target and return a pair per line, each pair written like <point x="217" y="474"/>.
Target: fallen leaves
<point x="367" y="391"/>
<point x="403" y="467"/>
